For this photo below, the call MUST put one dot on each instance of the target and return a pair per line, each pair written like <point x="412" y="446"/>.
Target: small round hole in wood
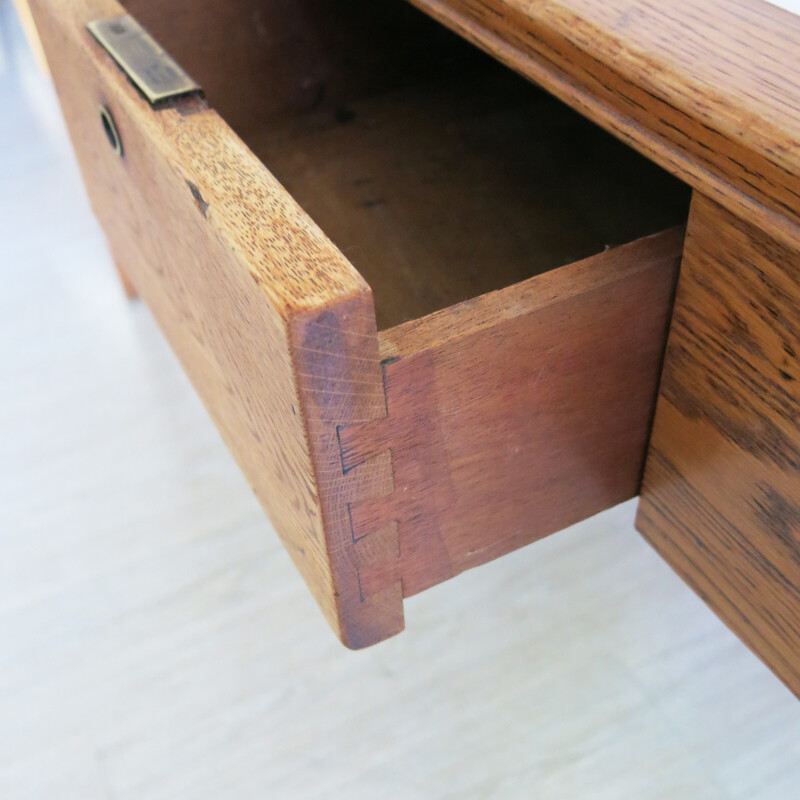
<point x="111" y="131"/>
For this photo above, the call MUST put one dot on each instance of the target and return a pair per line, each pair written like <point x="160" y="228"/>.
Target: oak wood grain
<point x="259" y="60"/>
<point x="156" y="643"/>
<point x="440" y="173"/>
<point x="263" y="311"/>
<point x="721" y="494"/>
<point x="512" y="416"/>
<point x="452" y="187"/>
<point x="708" y="90"/>
<point x="383" y="477"/>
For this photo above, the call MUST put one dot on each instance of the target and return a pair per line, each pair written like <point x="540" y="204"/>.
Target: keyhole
<point x="110" y="128"/>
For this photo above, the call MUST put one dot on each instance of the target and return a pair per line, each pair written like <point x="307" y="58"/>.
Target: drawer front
<point x="240" y="280"/>
<point x="387" y="462"/>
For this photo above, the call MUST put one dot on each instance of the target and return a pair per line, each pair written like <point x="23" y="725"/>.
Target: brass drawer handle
<point x="148" y="66"/>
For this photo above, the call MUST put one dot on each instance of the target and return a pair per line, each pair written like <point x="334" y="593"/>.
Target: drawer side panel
<point x="514" y="415"/>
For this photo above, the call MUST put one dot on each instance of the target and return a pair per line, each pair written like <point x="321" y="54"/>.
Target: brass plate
<point x="151" y="69"/>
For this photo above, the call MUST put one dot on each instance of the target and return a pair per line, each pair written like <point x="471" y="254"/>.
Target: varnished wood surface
<point x="708" y="90"/>
<point x="274" y="326"/>
<point x="156" y="642"/>
<point x="514" y="415"/>
<point x="277" y="330"/>
<point x="721" y="495"/>
<point x="453" y="187"/>
<point x="438" y="172"/>
<point x="259" y="60"/>
<point x="142" y="658"/>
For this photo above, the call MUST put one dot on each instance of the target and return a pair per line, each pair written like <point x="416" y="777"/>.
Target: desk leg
<point x="127" y="286"/>
<point x="721" y="492"/>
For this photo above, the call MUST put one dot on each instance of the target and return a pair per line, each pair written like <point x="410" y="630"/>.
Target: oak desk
<point x="486" y="394"/>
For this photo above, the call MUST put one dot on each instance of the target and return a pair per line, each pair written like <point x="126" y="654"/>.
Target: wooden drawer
<point x="486" y="396"/>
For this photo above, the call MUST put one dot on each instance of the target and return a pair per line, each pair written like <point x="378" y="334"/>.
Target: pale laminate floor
<point x="156" y="641"/>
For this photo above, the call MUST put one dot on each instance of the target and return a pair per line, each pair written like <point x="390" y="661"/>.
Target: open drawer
<point x="488" y="395"/>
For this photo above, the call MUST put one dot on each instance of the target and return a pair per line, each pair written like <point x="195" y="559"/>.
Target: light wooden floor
<point x="156" y="641"/>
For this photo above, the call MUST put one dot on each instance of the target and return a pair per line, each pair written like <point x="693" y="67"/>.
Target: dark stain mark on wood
<point x="760" y="437"/>
<point x="344" y="115"/>
<point x="201" y="204"/>
<point x="780" y="516"/>
<point x="719" y="500"/>
<point x="324" y="341"/>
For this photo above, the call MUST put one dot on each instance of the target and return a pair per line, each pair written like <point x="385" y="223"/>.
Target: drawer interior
<point x="439" y="173"/>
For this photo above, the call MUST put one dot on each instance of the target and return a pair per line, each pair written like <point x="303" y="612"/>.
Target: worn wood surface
<point x="721" y="496"/>
<point x="453" y="187"/>
<point x="273" y="325"/>
<point x="156" y="643"/>
<point x="440" y="173"/>
<point x="513" y="415"/>
<point x="708" y="90"/>
<point x="277" y="330"/>
<point x="259" y="60"/>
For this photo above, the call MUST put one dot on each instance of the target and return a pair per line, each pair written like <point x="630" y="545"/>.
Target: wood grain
<point x="453" y="187"/>
<point x="721" y="496"/>
<point x="155" y="643"/>
<point x="278" y="333"/>
<point x="707" y="90"/>
<point x="514" y="415"/>
<point x="247" y="289"/>
<point x="259" y="60"/>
